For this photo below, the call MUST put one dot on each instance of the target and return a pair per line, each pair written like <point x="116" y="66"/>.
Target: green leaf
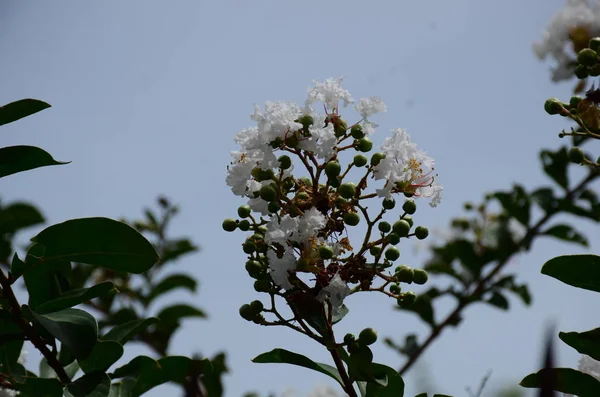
<point x="19" y="216"/>
<point x="46" y="281"/>
<point x="11" y="344"/>
<point x="122" y="389"/>
<point x="19" y="109"/>
<point x="74" y="328"/>
<point x="281" y="356"/>
<point x="104" y="354"/>
<point x="41" y="387"/>
<point x="98" y="241"/>
<point x="516" y="203"/>
<point x="172" y="282"/>
<point x="173" y="314"/>
<point x="76" y="297"/>
<point x="498" y="300"/>
<point x="544" y="197"/>
<point x="174" y="250"/>
<point x="394" y="387"/>
<point x="213" y="374"/>
<point x="584" y="342"/>
<point x="566" y="380"/>
<point x="423" y="308"/>
<point x="46" y="371"/>
<point x="17" y="267"/>
<point x="555" y="165"/>
<point x="582" y="271"/>
<point x="567" y="233"/>
<point x="14" y="159"/>
<point x="96" y="384"/>
<point x="124" y="332"/>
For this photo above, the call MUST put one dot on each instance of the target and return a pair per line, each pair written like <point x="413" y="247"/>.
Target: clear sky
<point x="147" y="96"/>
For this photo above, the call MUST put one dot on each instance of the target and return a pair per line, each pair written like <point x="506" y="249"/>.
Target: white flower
<point x="281" y="266"/>
<point x="298" y="229"/>
<point x="310" y="223"/>
<point x="238" y="173"/>
<point x="277" y="120"/>
<point x="370" y="106"/>
<point x="582" y="14"/>
<point x="336" y="291"/>
<point x="329" y="92"/>
<point x="322" y="140"/>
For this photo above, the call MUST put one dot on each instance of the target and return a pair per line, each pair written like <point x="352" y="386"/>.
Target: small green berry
<point x="273" y="207"/>
<point x="367" y="336"/>
<point x="395" y="289"/>
<point x="267" y="193"/>
<point x="257" y="306"/>
<point x="389" y="203"/>
<point x="407" y="299"/>
<point x="384" y="227"/>
<point x="249" y="247"/>
<point x="246" y="312"/>
<point x="360" y="160"/>
<point x="393" y="238"/>
<point x="229" y="225"/>
<point x="334" y="182"/>
<point x="364" y="145"/>
<point x="325" y="252"/>
<point x="420" y="276"/>
<point x="349" y="338"/>
<point x="576" y="155"/>
<point x="553" y="106"/>
<point x="244" y="211"/>
<point x="587" y="57"/>
<point x="351" y="218"/>
<point x="333" y="169"/>
<point x="408" y="219"/>
<point x="262" y="286"/>
<point x="285" y="162"/>
<point x="404" y="274"/>
<point x="574" y="101"/>
<point x="253" y="268"/>
<point x="421" y="232"/>
<point x="347" y="190"/>
<point x="357" y="132"/>
<point x="581" y="71"/>
<point x="376" y="158"/>
<point x="375" y="250"/>
<point x="244" y="225"/>
<point x="340" y="127"/>
<point x="392" y="253"/>
<point x="306" y="120"/>
<point x="410" y="207"/>
<point x="401" y="228"/>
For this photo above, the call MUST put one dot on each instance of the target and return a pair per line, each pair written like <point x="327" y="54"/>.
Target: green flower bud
<point x="587" y="57"/>
<point x="244" y="211"/>
<point x="393" y="238"/>
<point x="347" y="190"/>
<point x="229" y="225"/>
<point x="262" y="229"/>
<point x="292" y="141"/>
<point x="340" y="127"/>
<point x="349" y="338"/>
<point x="410" y="207"/>
<point x="333" y="169"/>
<point x="384" y="227"/>
<point x="285" y="162"/>
<point x="364" y="354"/>
<point x="262" y="286"/>
<point x="575" y="101"/>
<point x="408" y="219"/>
<point x="288" y="183"/>
<point x="407" y="299"/>
<point x="376" y="158"/>
<point x="305" y="181"/>
<point x="360" y="160"/>
<point x="257" y="306"/>
<point x="375" y="250"/>
<point x="420" y="276"/>
<point x="267" y="193"/>
<point x="244" y="225"/>
<point x="334" y="182"/>
<point x="246" y="312"/>
<point x="576" y="155"/>
<point x="395" y="289"/>
<point x="553" y="106"/>
<point x="273" y="207"/>
<point x="351" y="218"/>
<point x="364" y="145"/>
<point x="404" y="274"/>
<point x="392" y="253"/>
<point x="367" y="336"/>
<point x="594" y="44"/>
<point x="325" y="252"/>
<point x="303" y="196"/>
<point x="306" y="120"/>
<point x="262" y="248"/>
<point x="389" y="203"/>
<point x="254" y="268"/>
<point x="249" y="247"/>
<point x="408" y="194"/>
<point x="581" y="72"/>
<point x="421" y="232"/>
<point x="357" y="132"/>
<point x="401" y="228"/>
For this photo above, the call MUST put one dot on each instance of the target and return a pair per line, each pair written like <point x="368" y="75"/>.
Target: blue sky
<point x="147" y="96"/>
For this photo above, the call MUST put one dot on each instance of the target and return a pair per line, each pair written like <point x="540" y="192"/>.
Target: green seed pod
<point x="393" y="238"/>
<point x="420" y="276"/>
<point x="246" y="312"/>
<point x="267" y="193"/>
<point x="367" y="336"/>
<point x="229" y="225"/>
<point x="410" y="207"/>
<point x="334" y="182"/>
<point x="347" y="190"/>
<point x="244" y="211"/>
<point x="364" y="145"/>
<point x="257" y="306"/>
<point x="553" y="106"/>
<point x="581" y="72"/>
<point x="273" y="207"/>
<point x="351" y="218"/>
<point x="325" y="252"/>
<point x="333" y="169"/>
<point x="360" y="160"/>
<point x="407" y="299"/>
<point x="395" y="289"/>
<point x="421" y="232"/>
<point x="349" y="338"/>
<point x="244" y="225"/>
<point x="408" y="219"/>
<point x="389" y="203"/>
<point x="249" y="247"/>
<point x="254" y="268"/>
<point x="285" y="162"/>
<point x="404" y="274"/>
<point x="262" y="285"/>
<point x="401" y="228"/>
<point x="392" y="253"/>
<point x="384" y="227"/>
<point x="340" y="127"/>
<point x="576" y="155"/>
<point x="587" y="57"/>
<point x="357" y="132"/>
<point x="376" y="158"/>
<point x="375" y="250"/>
<point x="574" y="101"/>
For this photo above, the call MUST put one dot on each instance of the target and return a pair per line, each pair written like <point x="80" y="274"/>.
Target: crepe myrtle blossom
<point x="567" y="33"/>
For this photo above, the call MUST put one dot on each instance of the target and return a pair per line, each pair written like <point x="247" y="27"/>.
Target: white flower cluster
<point x="577" y="14"/>
<point x="405" y="168"/>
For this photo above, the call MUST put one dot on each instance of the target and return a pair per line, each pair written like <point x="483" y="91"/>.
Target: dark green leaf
<point x="76" y="297"/>
<point x="584" y="342"/>
<point x="278" y="356"/>
<point x="569" y="206"/>
<point x="213" y="376"/>
<point x="74" y="328"/>
<point x="19" y="216"/>
<point x="566" y="380"/>
<point x="46" y="281"/>
<point x="172" y="282"/>
<point x="40" y="387"/>
<point x="523" y="292"/>
<point x="174" y="250"/>
<point x="394" y="387"/>
<point x="421" y="395"/>
<point x="423" y="308"/>
<point x="19" y="109"/>
<point x="544" y="197"/>
<point x="46" y="371"/>
<point x="516" y="203"/>
<point x="555" y="165"/>
<point x="122" y="389"/>
<point x="104" y="354"/>
<point x="173" y="314"/>
<point x="96" y="384"/>
<point x="17" y="267"/>
<point x="11" y="344"/>
<point x="582" y="271"/>
<point x="15" y="159"/>
<point x="98" y="241"/>
<point x="124" y="332"/>
<point x="567" y="233"/>
<point x="498" y="300"/>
